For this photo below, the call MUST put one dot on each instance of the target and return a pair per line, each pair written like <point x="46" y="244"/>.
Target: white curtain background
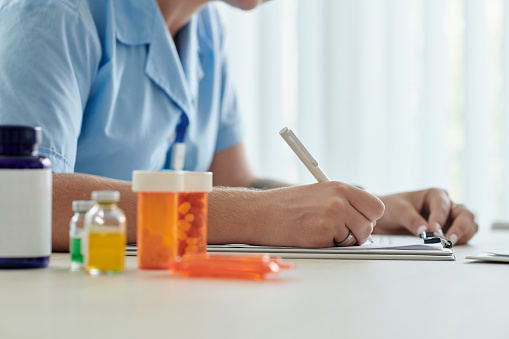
<point x="392" y="95"/>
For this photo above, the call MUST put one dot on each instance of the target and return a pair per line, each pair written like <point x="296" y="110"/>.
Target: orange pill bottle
<point x="157" y="198"/>
<point x="193" y="213"/>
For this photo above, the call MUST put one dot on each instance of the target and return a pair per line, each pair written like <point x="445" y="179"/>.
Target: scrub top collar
<point x="178" y="77"/>
<point x="137" y="31"/>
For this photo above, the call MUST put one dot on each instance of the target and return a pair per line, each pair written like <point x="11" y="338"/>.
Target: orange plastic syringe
<point x="253" y="267"/>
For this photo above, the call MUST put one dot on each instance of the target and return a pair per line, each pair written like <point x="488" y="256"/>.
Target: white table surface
<point x="318" y="299"/>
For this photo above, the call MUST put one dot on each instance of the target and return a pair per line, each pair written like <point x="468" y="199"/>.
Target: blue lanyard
<point x="178" y="153"/>
<point x="181" y="128"/>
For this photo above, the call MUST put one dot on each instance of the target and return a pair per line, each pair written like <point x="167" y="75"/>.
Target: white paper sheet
<point x="502" y="256"/>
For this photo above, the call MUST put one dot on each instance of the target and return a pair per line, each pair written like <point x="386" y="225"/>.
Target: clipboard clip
<point x="435" y="238"/>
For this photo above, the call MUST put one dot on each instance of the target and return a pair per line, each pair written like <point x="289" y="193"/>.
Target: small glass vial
<point x="76" y="229"/>
<point x="157" y="197"/>
<point x="193" y="213"/>
<point x="105" y="235"/>
<point x="25" y="199"/>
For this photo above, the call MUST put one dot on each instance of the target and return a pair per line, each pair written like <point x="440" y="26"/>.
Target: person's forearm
<point x="68" y="187"/>
<point x="303" y="216"/>
<point x="234" y="214"/>
<point x="247" y="216"/>
<point x="262" y="183"/>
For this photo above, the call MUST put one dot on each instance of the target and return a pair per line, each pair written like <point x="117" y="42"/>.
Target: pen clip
<point x="287" y="133"/>
<point x="432" y="238"/>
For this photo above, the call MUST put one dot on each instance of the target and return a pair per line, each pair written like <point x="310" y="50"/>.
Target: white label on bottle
<point x="25" y="213"/>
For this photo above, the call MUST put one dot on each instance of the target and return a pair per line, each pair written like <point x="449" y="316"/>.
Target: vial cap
<point x="197" y="182"/>
<point x="105" y="196"/>
<point x="13" y="134"/>
<point x="82" y="206"/>
<point x="163" y="181"/>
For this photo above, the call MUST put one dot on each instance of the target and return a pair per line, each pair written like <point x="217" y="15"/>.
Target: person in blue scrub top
<point x="109" y="80"/>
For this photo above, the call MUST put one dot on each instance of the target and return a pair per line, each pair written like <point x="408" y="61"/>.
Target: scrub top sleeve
<point x="49" y="55"/>
<point x="230" y="124"/>
<point x="230" y="131"/>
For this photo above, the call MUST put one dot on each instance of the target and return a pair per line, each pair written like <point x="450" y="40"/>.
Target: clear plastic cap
<point x="82" y="206"/>
<point x="106" y="196"/>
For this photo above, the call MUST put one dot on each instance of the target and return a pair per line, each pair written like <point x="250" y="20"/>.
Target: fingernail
<point x="453" y="238"/>
<point x="421" y="229"/>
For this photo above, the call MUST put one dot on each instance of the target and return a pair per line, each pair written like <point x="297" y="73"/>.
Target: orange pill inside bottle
<point x="193" y="213"/>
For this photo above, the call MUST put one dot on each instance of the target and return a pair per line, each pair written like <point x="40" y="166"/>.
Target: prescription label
<point x="25" y="208"/>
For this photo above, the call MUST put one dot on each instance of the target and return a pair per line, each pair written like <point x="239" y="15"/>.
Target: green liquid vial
<point x="76" y="230"/>
<point x="75" y="251"/>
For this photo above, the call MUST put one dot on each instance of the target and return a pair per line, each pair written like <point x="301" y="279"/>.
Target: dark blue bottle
<point x="25" y="199"/>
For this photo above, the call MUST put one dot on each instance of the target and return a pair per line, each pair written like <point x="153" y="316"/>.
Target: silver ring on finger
<point x="344" y="242"/>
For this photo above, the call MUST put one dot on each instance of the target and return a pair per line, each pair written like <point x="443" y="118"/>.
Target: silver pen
<point x="303" y="154"/>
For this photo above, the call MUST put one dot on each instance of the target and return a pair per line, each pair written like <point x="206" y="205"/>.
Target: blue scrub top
<point x="107" y="84"/>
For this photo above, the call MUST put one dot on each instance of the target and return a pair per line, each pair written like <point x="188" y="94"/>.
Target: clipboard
<point x="380" y="247"/>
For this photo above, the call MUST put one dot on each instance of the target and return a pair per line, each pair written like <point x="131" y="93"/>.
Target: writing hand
<point x="319" y="215"/>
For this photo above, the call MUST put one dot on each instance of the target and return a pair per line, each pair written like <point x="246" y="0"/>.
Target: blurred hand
<point x="429" y="210"/>
<point x="318" y="215"/>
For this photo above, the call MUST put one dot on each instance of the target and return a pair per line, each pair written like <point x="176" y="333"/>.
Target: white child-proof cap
<point x="197" y="182"/>
<point x="82" y="205"/>
<point x="106" y="196"/>
<point x="164" y="181"/>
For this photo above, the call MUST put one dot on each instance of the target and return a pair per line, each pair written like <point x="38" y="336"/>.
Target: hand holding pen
<point x="355" y="209"/>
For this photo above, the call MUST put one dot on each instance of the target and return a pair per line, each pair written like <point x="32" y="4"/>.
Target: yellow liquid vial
<point x="106" y="250"/>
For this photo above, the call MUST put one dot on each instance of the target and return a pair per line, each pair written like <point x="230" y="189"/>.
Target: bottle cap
<point x="11" y="134"/>
<point x="82" y="206"/>
<point x="197" y="182"/>
<point x="105" y="196"/>
<point x="163" y="181"/>
<point x="20" y="140"/>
